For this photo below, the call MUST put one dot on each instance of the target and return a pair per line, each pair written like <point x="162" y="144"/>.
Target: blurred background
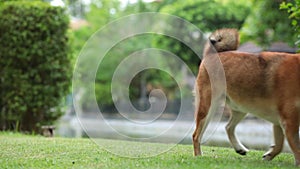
<point x="264" y="25"/>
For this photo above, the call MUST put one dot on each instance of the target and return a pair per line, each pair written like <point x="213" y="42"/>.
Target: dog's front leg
<point x="291" y="125"/>
<point x="278" y="140"/>
<point x="235" y="118"/>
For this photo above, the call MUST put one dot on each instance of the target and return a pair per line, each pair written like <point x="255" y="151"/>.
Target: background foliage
<point x="208" y="16"/>
<point x="293" y="10"/>
<point x="266" y="24"/>
<point x="35" y="64"/>
<point x="35" y="60"/>
<point x="261" y="22"/>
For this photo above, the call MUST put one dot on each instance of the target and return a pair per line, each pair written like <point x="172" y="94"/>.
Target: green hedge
<point x="35" y="64"/>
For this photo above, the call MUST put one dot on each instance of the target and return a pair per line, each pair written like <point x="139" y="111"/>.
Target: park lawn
<point x="23" y="151"/>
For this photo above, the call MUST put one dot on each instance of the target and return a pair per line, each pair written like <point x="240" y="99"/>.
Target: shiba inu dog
<point x="266" y="85"/>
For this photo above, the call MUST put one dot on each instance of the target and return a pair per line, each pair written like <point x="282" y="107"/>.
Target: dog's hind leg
<point x="197" y="135"/>
<point x="277" y="147"/>
<point x="201" y="123"/>
<point x="235" y="118"/>
<point x="202" y="102"/>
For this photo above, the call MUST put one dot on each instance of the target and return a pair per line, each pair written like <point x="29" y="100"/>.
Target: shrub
<point x="35" y="64"/>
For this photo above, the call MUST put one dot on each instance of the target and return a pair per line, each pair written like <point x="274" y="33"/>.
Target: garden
<point x="101" y="78"/>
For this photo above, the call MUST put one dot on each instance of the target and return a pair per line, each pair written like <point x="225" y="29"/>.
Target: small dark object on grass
<point x="48" y="131"/>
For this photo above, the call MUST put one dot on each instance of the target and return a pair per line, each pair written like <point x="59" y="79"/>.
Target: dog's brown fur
<point x="265" y="84"/>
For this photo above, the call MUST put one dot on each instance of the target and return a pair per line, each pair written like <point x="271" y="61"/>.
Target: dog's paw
<point x="241" y="152"/>
<point x="267" y="157"/>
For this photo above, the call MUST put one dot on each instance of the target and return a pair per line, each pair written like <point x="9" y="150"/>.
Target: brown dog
<point x="265" y="84"/>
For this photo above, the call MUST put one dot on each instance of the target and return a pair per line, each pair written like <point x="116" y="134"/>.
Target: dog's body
<point x="265" y="84"/>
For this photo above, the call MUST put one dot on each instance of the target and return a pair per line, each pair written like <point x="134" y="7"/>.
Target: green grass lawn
<point x="22" y="151"/>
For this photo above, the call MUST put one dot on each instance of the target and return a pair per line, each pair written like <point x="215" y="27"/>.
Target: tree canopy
<point x="259" y="21"/>
<point x="266" y="24"/>
<point x="293" y="9"/>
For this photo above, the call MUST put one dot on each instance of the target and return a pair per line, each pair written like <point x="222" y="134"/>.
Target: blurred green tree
<point x="293" y="10"/>
<point x="207" y="15"/>
<point x="267" y="24"/>
<point x="77" y="8"/>
<point x="99" y="14"/>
